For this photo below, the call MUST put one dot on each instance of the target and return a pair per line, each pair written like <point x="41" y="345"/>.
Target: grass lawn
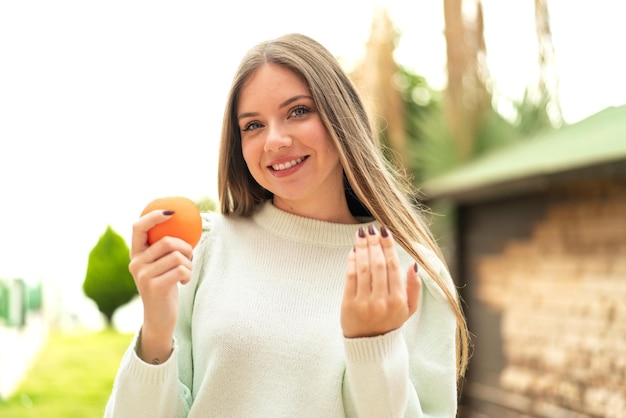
<point x="72" y="377"/>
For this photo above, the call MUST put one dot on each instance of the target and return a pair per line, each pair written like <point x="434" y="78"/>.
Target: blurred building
<point x="540" y="250"/>
<point x="23" y="330"/>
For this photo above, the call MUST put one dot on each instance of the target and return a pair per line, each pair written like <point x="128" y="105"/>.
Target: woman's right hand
<point x="157" y="269"/>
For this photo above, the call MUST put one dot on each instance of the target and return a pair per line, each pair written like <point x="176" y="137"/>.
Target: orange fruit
<point x="185" y="223"/>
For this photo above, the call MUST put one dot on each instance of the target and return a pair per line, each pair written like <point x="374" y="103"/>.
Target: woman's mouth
<point x="288" y="164"/>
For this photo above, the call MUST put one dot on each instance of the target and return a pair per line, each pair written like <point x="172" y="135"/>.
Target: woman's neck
<point x="333" y="210"/>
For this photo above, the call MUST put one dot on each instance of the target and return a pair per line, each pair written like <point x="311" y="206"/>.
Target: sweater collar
<point x="299" y="228"/>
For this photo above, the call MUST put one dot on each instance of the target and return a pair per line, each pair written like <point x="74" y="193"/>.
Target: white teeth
<point x="288" y="164"/>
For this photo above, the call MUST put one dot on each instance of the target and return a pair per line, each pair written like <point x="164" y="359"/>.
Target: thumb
<point x="413" y="288"/>
<point x="143" y="225"/>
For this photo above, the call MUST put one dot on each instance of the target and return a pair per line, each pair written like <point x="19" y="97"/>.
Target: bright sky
<point x="107" y="105"/>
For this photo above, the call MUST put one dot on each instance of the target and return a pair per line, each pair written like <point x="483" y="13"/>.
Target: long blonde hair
<point x="372" y="184"/>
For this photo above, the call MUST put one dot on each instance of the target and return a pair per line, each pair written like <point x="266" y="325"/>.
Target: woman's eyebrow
<point x="294" y="98"/>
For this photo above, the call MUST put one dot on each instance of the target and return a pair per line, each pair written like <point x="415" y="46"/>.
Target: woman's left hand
<point x="375" y="299"/>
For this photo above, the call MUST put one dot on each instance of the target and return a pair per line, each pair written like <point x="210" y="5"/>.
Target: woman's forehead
<point x="271" y="82"/>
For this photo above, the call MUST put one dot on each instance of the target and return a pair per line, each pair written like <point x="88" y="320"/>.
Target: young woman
<point x="317" y="291"/>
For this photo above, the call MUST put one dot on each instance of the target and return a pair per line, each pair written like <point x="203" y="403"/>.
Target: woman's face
<point x="285" y="144"/>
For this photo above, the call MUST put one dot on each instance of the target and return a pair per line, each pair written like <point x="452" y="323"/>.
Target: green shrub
<point x="108" y="282"/>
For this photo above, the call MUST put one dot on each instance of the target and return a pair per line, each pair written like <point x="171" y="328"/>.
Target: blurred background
<point x="510" y="118"/>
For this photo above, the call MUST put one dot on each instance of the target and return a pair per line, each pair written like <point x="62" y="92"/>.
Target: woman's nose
<point x="276" y="139"/>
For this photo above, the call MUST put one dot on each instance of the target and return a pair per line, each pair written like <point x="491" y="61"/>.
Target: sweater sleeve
<point x="408" y="372"/>
<point x="142" y="389"/>
<point x="164" y="390"/>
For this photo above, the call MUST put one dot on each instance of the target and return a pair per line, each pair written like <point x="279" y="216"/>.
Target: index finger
<point x="143" y="225"/>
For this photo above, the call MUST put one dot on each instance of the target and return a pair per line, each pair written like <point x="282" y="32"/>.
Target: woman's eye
<point x="251" y="126"/>
<point x="300" y="111"/>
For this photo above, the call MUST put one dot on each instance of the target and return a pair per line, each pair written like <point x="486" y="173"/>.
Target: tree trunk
<point x="467" y="98"/>
<point x="375" y="78"/>
<point x="548" y="84"/>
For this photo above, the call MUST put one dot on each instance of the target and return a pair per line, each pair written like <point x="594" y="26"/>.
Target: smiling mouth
<point x="289" y="164"/>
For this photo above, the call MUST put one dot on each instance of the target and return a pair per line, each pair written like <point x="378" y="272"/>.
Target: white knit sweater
<point x="259" y="334"/>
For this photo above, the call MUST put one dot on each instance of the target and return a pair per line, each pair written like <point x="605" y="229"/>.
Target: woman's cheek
<point x="252" y="157"/>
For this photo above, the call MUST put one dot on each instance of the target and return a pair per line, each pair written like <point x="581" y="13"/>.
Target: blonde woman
<point x="317" y="291"/>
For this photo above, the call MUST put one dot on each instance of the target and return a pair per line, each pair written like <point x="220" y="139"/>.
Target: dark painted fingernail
<point x="371" y="230"/>
<point x="415" y="267"/>
<point x="361" y="232"/>
<point x="353" y="249"/>
<point x="168" y="212"/>
<point x="383" y="231"/>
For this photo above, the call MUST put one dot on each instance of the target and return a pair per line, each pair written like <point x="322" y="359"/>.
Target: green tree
<point x="430" y="132"/>
<point x="108" y="281"/>
<point x="463" y="122"/>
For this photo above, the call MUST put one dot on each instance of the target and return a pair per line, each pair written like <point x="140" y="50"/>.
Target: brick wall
<point x="561" y="294"/>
